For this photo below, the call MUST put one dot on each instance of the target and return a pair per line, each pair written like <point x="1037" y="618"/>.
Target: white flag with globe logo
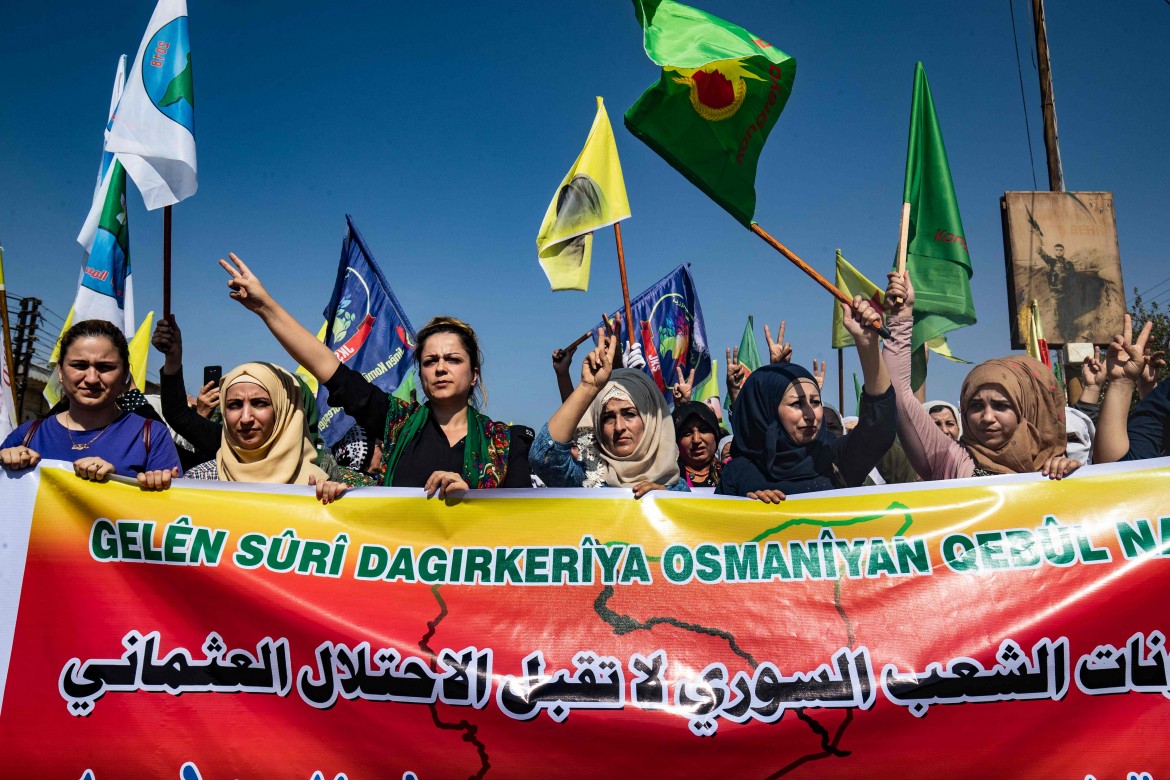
<point x="154" y="128"/>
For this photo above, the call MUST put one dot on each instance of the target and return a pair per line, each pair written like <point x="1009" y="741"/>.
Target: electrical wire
<point x="1023" y="98"/>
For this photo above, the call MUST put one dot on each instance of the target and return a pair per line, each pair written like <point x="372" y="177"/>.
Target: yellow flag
<point x="591" y="196"/>
<point x="303" y="373"/>
<point x="52" y="391"/>
<point x="851" y="282"/>
<point x="140" y="352"/>
<point x="1035" y="329"/>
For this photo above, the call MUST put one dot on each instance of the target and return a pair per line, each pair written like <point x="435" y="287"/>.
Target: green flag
<point x="857" y="396"/>
<point x="406" y="388"/>
<point x="936" y="254"/>
<point x="709" y="387"/>
<point x="720" y="92"/>
<point x="748" y="354"/>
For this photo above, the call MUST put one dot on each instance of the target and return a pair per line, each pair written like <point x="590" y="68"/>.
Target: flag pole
<point x="840" y="379"/>
<point x="816" y="277"/>
<point x="579" y="341"/>
<point x="166" y="262"/>
<point x="903" y="240"/>
<point x="617" y="234"/>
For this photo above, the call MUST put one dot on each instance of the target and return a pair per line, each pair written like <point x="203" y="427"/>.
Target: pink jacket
<point x="932" y="453"/>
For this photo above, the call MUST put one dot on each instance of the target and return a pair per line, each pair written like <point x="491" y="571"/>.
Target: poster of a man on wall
<point x="1061" y="250"/>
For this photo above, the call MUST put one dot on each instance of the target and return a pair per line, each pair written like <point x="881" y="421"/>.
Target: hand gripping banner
<point x="997" y="627"/>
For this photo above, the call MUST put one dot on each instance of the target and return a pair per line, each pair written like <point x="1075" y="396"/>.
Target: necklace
<point x="81" y="445"/>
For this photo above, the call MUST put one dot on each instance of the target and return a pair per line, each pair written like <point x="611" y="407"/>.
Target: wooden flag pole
<point x="841" y="379"/>
<point x="578" y="342"/>
<point x="903" y="241"/>
<point x="617" y="234"/>
<point x="816" y="277"/>
<point x="166" y="262"/>
<point x="903" y="237"/>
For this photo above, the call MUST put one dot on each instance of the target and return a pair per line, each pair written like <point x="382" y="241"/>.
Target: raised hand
<point x="167" y="338"/>
<point x="736" y="372"/>
<point x="598" y="364"/>
<point x="818" y="371"/>
<point x="857" y="321"/>
<point x="899" y="294"/>
<point x="779" y="351"/>
<point x="562" y="359"/>
<point x="208" y="400"/>
<point x="1155" y="362"/>
<point x="1126" y="359"/>
<point x="682" y="390"/>
<point x="633" y="357"/>
<point x="1093" y="370"/>
<point x="246" y="288"/>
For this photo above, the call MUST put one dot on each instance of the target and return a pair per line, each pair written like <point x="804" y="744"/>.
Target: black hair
<point x="470" y="343"/>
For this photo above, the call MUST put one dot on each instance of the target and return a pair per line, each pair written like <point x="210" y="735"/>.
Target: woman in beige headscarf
<point x="265" y="434"/>
<point x="633" y="431"/>
<point x="1011" y="409"/>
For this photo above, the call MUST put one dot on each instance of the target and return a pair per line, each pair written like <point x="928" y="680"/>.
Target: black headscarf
<point x="764" y="456"/>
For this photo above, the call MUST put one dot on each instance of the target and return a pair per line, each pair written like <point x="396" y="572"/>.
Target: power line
<point x="1146" y="293"/>
<point x="1023" y="98"/>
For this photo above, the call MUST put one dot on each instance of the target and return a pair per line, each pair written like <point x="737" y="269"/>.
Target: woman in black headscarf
<point x="781" y="446"/>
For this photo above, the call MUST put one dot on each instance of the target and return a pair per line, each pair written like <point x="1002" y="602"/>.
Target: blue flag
<point x="668" y="323"/>
<point x="366" y="329"/>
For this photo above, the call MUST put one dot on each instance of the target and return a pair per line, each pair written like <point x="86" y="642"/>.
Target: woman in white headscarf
<point x="946" y="417"/>
<point x="633" y="430"/>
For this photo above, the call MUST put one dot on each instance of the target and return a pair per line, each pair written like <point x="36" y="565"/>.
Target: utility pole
<point x="26" y="331"/>
<point x="1047" y="101"/>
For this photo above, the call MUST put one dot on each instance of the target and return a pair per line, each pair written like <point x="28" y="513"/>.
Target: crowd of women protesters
<point x="614" y="427"/>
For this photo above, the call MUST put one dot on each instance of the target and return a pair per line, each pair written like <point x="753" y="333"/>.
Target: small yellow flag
<point x="140" y="352"/>
<point x="303" y="373"/>
<point x="591" y="196"/>
<point x="851" y="282"/>
<point x="52" y="391"/>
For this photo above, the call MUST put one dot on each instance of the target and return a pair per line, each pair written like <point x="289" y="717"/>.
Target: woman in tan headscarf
<point x="265" y="434"/>
<point x="633" y="431"/>
<point x="1012" y="411"/>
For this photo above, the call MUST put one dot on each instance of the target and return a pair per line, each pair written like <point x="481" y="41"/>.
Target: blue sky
<point x="445" y="128"/>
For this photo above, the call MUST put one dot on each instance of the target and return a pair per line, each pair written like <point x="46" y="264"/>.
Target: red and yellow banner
<point x="1001" y="627"/>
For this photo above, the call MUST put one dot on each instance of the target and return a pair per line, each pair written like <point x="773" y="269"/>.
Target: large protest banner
<point x="999" y="627"/>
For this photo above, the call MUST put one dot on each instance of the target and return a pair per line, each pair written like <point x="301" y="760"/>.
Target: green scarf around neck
<point x="476" y="451"/>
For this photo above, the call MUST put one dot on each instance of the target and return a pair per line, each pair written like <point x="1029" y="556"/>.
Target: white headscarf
<point x="1081" y="430"/>
<point x="954" y="410"/>
<point x="655" y="459"/>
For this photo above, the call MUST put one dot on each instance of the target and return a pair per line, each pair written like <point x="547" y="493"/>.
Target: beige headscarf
<point x="1039" y="403"/>
<point x="288" y="456"/>
<point x="655" y="459"/>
